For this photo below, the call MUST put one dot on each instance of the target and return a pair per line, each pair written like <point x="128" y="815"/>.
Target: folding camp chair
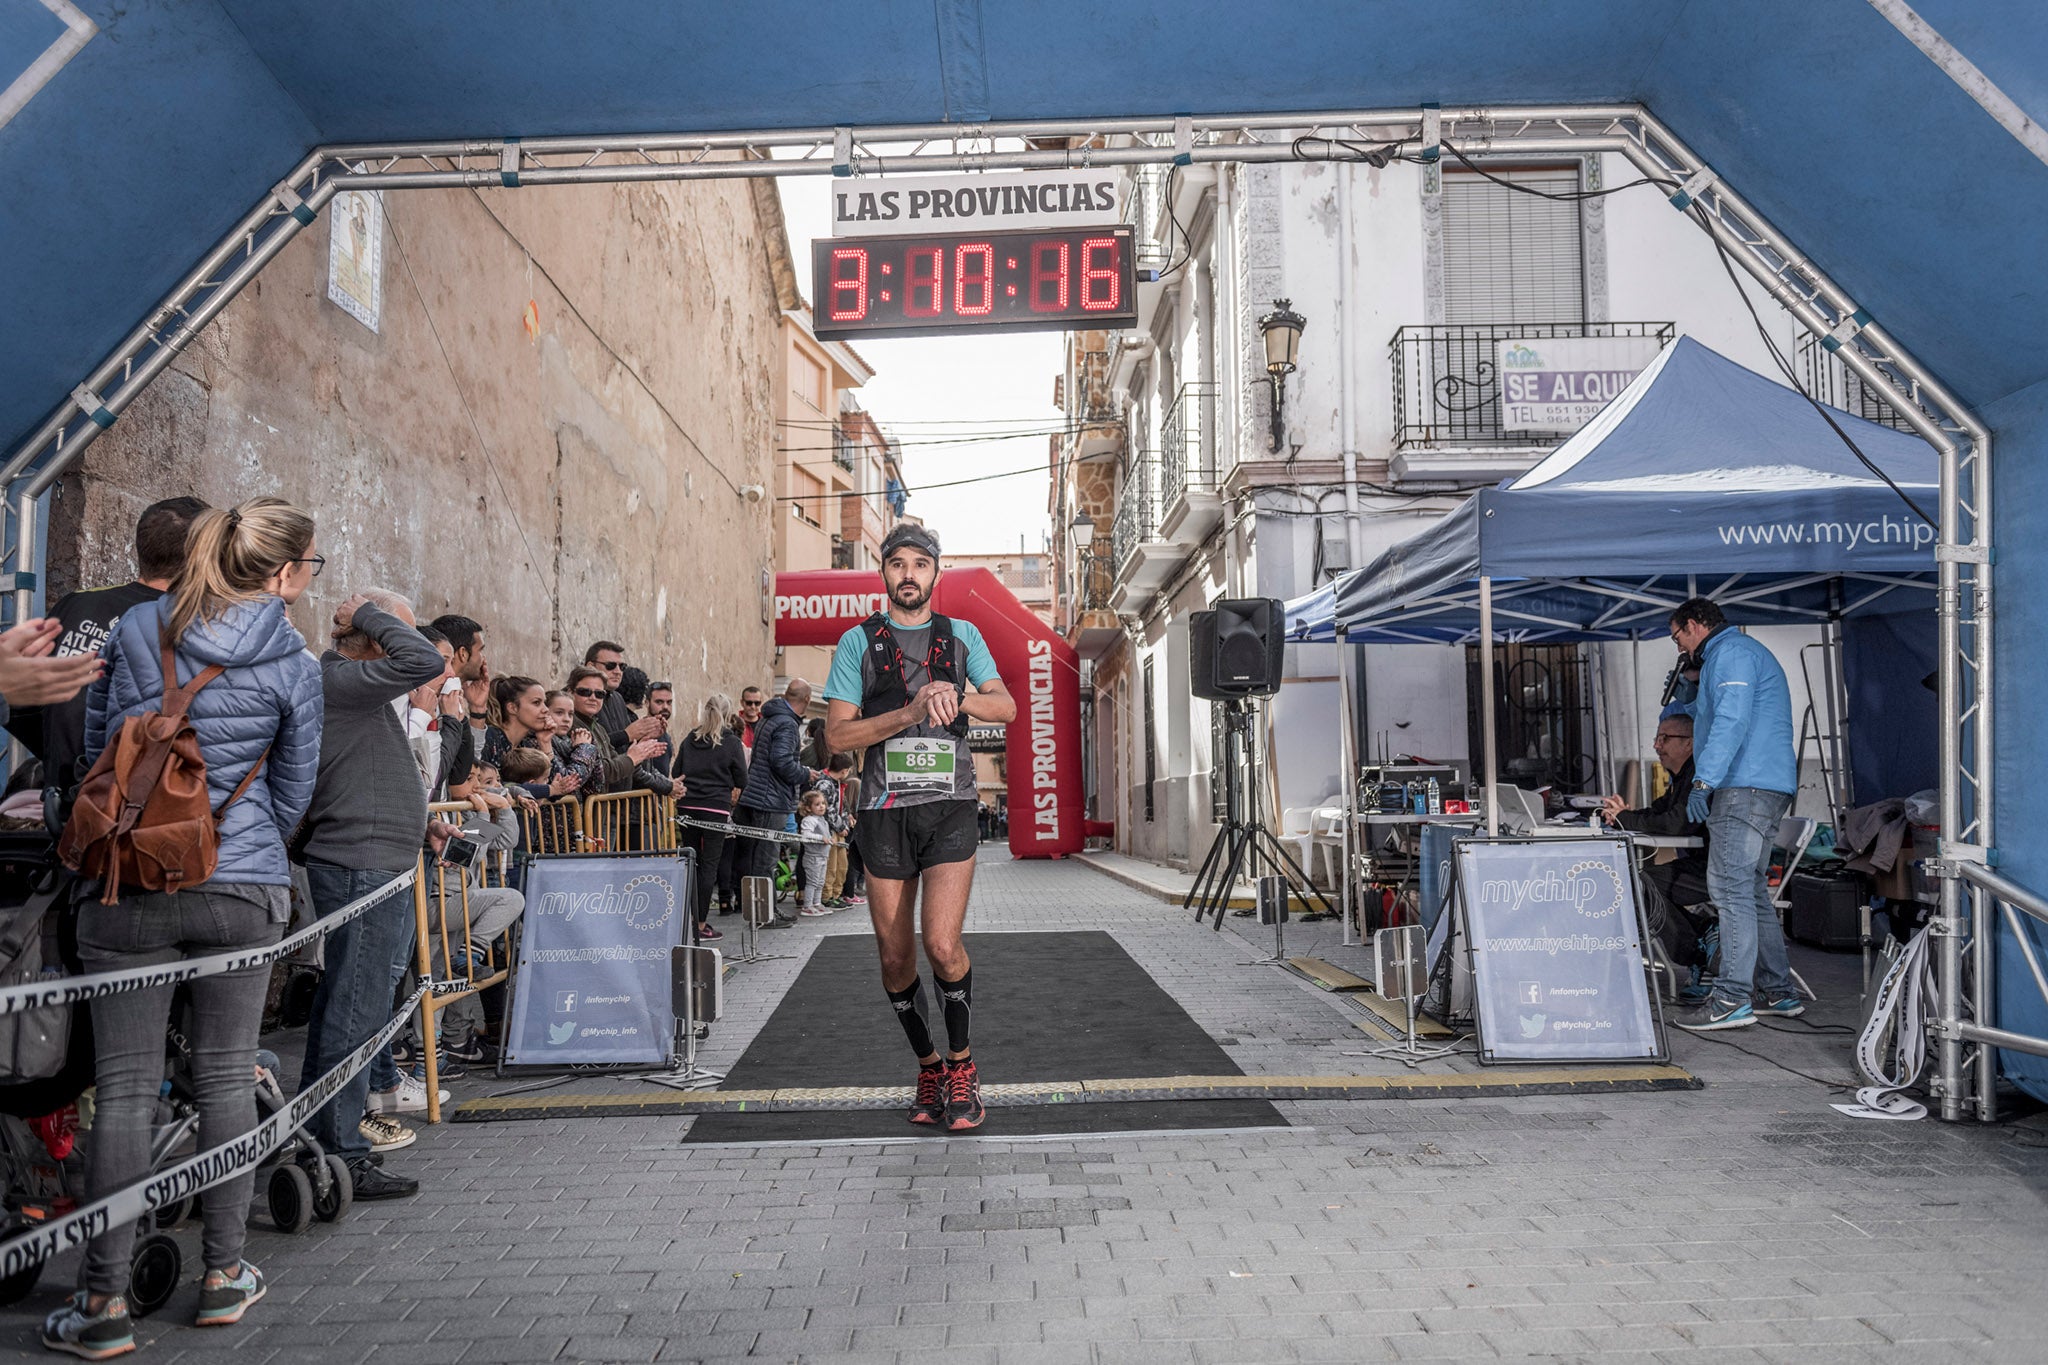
<point x="1795" y="833"/>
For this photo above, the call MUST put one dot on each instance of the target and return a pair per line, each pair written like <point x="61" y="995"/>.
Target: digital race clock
<point x="1064" y="279"/>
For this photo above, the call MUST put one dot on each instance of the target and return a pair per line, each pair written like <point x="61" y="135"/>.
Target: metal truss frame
<point x="1965" y="1071"/>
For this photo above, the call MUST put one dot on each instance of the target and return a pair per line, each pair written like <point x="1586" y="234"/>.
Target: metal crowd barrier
<point x="450" y="928"/>
<point x="556" y="829"/>
<point x="629" y="822"/>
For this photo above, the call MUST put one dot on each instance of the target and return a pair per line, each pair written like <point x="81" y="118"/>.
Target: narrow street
<point x="1743" y="1221"/>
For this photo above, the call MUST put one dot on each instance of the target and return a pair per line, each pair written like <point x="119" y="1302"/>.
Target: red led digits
<point x="1100" y="284"/>
<point x="849" y="301"/>
<point x="973" y="285"/>
<point x="1051" y="277"/>
<point x="924" y="270"/>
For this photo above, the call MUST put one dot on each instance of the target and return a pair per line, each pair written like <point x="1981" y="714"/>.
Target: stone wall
<point x="561" y="475"/>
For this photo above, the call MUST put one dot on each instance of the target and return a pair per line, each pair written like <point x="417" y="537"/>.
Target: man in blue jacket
<point x="1744" y="775"/>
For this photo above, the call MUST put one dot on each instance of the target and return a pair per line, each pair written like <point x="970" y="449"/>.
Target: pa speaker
<point x="1235" y="650"/>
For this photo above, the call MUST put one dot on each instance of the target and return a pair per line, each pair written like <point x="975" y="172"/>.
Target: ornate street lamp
<point x="1281" y="330"/>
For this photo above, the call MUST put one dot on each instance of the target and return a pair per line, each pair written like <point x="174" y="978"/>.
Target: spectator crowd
<point x="318" y="772"/>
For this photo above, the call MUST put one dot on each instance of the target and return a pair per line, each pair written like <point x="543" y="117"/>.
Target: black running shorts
<point x="899" y="842"/>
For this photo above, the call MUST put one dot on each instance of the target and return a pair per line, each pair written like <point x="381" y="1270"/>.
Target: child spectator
<point x="814" y="825"/>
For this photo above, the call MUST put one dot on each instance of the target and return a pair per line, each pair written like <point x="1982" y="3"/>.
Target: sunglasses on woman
<point x="590" y="691"/>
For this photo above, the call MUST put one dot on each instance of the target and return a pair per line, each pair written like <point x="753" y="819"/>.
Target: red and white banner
<point x="1043" y="745"/>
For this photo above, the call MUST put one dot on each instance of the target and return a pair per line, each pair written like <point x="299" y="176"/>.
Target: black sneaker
<point x="222" y="1301"/>
<point x="371" y="1183"/>
<point x="470" y="1049"/>
<point x="930" y="1105"/>
<point x="90" y="1336"/>
<point x="963" y="1096"/>
<point x="1714" y="1015"/>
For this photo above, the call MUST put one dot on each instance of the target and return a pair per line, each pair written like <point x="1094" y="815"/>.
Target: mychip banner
<point x="1556" y="946"/>
<point x="593" y="983"/>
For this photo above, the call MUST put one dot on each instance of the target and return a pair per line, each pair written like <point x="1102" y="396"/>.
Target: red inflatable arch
<point x="1040" y="668"/>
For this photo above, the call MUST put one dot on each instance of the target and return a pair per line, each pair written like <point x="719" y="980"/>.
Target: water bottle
<point x="1436" y="798"/>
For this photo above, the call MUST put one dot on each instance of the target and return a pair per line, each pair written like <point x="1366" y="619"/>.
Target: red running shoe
<point x="963" y="1096"/>
<point x="930" y="1105"/>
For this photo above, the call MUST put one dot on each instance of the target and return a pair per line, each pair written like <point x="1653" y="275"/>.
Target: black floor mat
<point x="1047" y="1007"/>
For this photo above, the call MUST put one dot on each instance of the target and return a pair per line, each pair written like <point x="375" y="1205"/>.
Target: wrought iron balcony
<point x="1092" y="582"/>
<point x="1137" y="510"/>
<point x="1091" y="375"/>
<point x="1447" y="387"/>
<point x="1144" y="209"/>
<point x="1188" y="455"/>
<point x="846" y="439"/>
<point x="1831" y="382"/>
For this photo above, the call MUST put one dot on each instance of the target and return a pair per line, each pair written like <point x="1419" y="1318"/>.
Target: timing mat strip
<point x="1589" y="1080"/>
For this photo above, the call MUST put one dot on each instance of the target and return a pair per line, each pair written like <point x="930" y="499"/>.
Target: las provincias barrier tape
<point x="768" y="836"/>
<point x="73" y="990"/>
<point x="195" y="1173"/>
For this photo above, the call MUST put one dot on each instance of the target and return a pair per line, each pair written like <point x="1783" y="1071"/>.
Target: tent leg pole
<point x="1348" y="775"/>
<point x="1635" y="716"/>
<point x="1490" y="754"/>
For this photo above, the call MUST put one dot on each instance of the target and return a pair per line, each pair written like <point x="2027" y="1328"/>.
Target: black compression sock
<point x="956" y="998"/>
<point x="909" y="1003"/>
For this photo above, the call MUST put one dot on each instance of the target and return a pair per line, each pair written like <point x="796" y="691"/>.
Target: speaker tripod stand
<point x="1244" y="846"/>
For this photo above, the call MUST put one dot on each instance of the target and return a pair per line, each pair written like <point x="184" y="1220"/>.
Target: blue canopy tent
<point x="1701" y="477"/>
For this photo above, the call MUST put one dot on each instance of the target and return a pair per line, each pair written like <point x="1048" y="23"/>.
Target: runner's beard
<point x="918" y="594"/>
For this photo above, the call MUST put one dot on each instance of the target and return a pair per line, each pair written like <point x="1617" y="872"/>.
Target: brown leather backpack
<point x="142" y="817"/>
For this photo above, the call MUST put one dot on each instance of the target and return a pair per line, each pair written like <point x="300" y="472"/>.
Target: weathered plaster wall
<point x="573" y="484"/>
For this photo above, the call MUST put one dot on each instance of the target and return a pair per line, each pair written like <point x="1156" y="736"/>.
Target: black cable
<point x="1563" y="196"/>
<point x="1802" y="1075"/>
<point x="951" y="483"/>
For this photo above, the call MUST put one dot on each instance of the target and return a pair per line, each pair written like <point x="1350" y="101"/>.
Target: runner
<point x="896" y="691"/>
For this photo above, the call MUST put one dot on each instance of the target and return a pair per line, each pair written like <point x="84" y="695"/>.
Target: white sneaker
<point x="813" y="912"/>
<point x="386" y="1134"/>
<point x="409" y="1098"/>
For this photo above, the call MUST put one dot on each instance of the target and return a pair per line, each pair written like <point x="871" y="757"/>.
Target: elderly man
<point x="1669" y="889"/>
<point x="363" y="830"/>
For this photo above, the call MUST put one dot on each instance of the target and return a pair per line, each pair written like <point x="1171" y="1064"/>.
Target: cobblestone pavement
<point x="1744" y="1222"/>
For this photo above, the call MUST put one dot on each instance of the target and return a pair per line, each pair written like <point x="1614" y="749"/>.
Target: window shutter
<point x="1512" y="257"/>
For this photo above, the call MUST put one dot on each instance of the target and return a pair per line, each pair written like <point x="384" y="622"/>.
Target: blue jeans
<point x="1742" y="824"/>
<point x="365" y="959"/>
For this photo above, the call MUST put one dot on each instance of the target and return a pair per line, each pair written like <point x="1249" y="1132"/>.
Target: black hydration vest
<point x="890" y="690"/>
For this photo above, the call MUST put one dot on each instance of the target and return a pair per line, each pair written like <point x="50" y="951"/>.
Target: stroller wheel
<point x="341" y="1192"/>
<point x="153" y="1274"/>
<point x="291" y="1199"/>
<point x="174" y="1213"/>
<point x="20" y="1284"/>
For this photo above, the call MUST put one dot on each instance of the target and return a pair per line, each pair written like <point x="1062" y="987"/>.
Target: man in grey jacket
<point x="364" y="828"/>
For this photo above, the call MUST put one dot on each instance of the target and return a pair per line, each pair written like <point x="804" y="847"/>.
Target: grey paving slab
<point x="1743" y="1222"/>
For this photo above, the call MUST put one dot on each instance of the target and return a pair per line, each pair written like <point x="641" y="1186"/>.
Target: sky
<point x="941" y="397"/>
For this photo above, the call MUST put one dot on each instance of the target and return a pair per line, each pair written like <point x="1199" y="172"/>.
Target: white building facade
<point x="1185" y="490"/>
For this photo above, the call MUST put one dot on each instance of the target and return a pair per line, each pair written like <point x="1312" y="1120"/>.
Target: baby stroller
<point x="47" y="1064"/>
<point x="300" y="1180"/>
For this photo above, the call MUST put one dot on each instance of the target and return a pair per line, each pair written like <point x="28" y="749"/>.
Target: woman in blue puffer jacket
<point x="226" y="606"/>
